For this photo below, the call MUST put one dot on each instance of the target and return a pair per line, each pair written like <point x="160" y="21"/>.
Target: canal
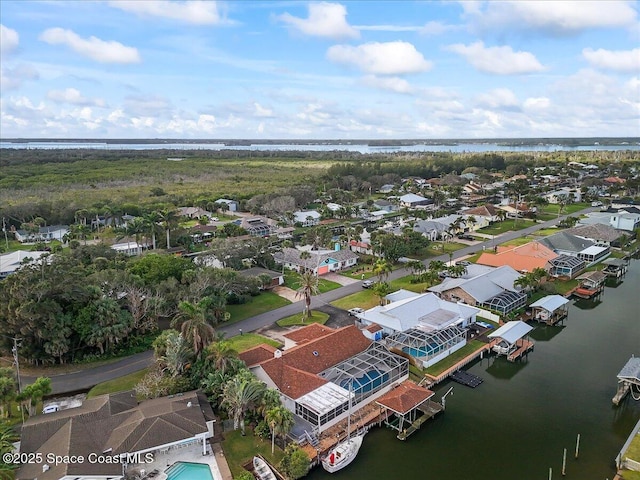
<point x="516" y="424"/>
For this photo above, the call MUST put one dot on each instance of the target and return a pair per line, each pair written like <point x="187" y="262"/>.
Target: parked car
<point x="463" y="262"/>
<point x="367" y="284"/>
<point x="354" y="312"/>
<point x="51" y="408"/>
<point x="596" y="204"/>
<point x="464" y="236"/>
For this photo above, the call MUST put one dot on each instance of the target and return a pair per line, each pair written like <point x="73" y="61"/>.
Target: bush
<point x="295" y="463"/>
<point x="244" y="476"/>
<point x="262" y="430"/>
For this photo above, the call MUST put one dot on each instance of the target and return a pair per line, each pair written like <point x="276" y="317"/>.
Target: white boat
<point x="344" y="452"/>
<point x="262" y="469"/>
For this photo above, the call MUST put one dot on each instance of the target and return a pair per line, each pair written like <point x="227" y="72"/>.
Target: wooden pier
<point x="523" y="347"/>
<point x="433" y="380"/>
<point x="429" y="410"/>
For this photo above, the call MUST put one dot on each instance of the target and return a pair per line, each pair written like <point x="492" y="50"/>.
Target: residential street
<point x="85" y="379"/>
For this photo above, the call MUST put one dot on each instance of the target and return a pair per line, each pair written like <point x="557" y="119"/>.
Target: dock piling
<point x="564" y="462"/>
<point x="577" y="445"/>
<point x="550" y="473"/>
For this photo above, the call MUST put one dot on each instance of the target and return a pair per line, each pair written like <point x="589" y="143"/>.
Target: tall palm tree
<point x="169" y="219"/>
<point x="194" y="325"/>
<point x="308" y="287"/>
<point x="221" y="355"/>
<point x="382" y="269"/>
<point x="240" y="394"/>
<point x="280" y="421"/>
<point x="151" y="220"/>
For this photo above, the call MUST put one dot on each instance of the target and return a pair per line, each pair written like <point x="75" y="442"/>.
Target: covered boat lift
<point x="615" y="267"/>
<point x="551" y="309"/>
<point x="591" y="283"/>
<point x="628" y="381"/>
<point x="405" y="401"/>
<point x="511" y="341"/>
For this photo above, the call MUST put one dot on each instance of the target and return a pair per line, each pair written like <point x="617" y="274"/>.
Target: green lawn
<point x="117" y="384"/>
<point x="239" y="450"/>
<point x="292" y="280"/>
<point x="455" y="357"/>
<point x="547" y="231"/>
<point x="633" y="452"/>
<point x="243" y="342"/>
<point x="629" y="475"/>
<point x="364" y="299"/>
<point x="405" y="283"/>
<point x="357" y="272"/>
<point x="316" y="317"/>
<point x="262" y="303"/>
<point x="507" y="226"/>
<point x="436" y="249"/>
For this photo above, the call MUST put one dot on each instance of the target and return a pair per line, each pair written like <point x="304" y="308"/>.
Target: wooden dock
<point x="429" y="410"/>
<point x="523" y="347"/>
<point x="433" y="380"/>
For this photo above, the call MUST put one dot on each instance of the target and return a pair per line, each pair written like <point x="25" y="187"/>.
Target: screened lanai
<point x="424" y="345"/>
<point x="506" y="302"/>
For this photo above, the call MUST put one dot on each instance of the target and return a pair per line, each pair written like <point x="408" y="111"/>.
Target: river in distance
<point x="515" y="425"/>
<point x="320" y="147"/>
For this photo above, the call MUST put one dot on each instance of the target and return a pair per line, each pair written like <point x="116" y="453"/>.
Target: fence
<point x="488" y="315"/>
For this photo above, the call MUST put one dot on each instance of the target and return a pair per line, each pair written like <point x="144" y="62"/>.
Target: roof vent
<point x="277" y="354"/>
<point x="45" y="467"/>
<point x="189" y="404"/>
<point x="315" y="353"/>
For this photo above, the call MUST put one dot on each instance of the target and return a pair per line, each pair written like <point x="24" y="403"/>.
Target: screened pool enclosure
<point x="361" y="377"/>
<point x="506" y="302"/>
<point x="424" y="345"/>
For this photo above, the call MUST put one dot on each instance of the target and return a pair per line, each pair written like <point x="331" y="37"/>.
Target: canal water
<point x="515" y="425"/>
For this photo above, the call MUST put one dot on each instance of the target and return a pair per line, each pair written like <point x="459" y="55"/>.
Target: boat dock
<point x="433" y="380"/>
<point x="523" y="348"/>
<point x="466" y="378"/>
<point x="429" y="411"/>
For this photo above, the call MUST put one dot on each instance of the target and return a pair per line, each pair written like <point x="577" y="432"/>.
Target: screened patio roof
<point x="507" y="301"/>
<point x="325" y="398"/>
<point x="416" y="338"/>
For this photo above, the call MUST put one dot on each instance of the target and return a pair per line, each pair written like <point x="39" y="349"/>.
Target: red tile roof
<point x="295" y="372"/>
<point x="308" y="333"/>
<point x="257" y="354"/>
<point x="483" y="211"/>
<point x="521" y="258"/>
<point x="405" y="397"/>
<point x="373" y="328"/>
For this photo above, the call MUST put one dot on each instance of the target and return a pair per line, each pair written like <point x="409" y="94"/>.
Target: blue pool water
<point x="189" y="471"/>
<point x="423" y="351"/>
<point x="370" y="380"/>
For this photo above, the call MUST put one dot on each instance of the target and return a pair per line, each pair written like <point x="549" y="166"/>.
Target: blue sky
<point x="334" y="70"/>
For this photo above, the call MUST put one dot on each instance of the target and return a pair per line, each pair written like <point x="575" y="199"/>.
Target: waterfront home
<point x="566" y="266"/>
<point x="493" y="290"/>
<point x="564" y="243"/>
<point x="523" y="258"/>
<point x="110" y="426"/>
<point x="601" y="234"/>
<point x="319" y="262"/>
<point x="313" y="375"/>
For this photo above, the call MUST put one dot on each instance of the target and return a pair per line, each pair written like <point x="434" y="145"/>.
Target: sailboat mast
<point x="349" y="411"/>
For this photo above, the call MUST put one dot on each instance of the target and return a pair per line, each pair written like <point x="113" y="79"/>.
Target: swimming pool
<point x="427" y="350"/>
<point x="189" y="471"/>
<point x="370" y="380"/>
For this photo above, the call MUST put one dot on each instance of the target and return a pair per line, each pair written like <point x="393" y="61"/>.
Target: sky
<point x="319" y="70"/>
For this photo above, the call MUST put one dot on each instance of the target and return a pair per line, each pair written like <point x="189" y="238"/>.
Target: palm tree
<point x="195" y="327"/>
<point x="135" y="228"/>
<point x="151" y="220"/>
<point x="7" y="437"/>
<point x="168" y="218"/>
<point x="240" y="394"/>
<point x="381" y="268"/>
<point x="280" y="421"/>
<point x="430" y="277"/>
<point x="308" y="287"/>
<point x="381" y="289"/>
<point x="221" y="355"/>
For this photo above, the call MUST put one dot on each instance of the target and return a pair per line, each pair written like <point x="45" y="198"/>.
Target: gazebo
<point x="404" y="402"/>
<point x="551" y="309"/>
<point x="509" y="340"/>
<point x="629" y="380"/>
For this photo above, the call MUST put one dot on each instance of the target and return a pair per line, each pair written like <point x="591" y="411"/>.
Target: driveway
<point x="341" y="279"/>
<point x="286" y="292"/>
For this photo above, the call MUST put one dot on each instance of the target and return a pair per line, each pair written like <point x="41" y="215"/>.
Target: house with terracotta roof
<point x="114" y="426"/>
<point x="487" y="212"/>
<point x="322" y="368"/>
<point x="523" y="258"/>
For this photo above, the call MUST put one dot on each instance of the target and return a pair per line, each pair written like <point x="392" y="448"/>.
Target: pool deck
<point x="192" y="454"/>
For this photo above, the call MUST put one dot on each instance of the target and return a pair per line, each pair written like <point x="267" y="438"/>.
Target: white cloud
<point x="193" y="12"/>
<point x="12" y="78"/>
<point x="497" y="60"/>
<point x="9" y="39"/>
<point x="325" y="20"/>
<point x="393" y="84"/>
<point x="498" y="98"/>
<point x="617" y="60"/>
<point x="390" y="58"/>
<point x="437" y="28"/>
<point x="260" y="111"/>
<point x="99" y="50"/>
<point x="74" y="97"/>
<point x="537" y="103"/>
<point x="559" y="17"/>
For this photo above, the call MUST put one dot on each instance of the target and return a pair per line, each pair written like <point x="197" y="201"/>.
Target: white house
<point x="563" y="194"/>
<point x="232" y="204"/>
<point x="307" y="218"/>
<point x="10" y="262"/>
<point x="413" y="200"/>
<point x="130" y="249"/>
<point x="320" y="262"/>
<point x="44" y="234"/>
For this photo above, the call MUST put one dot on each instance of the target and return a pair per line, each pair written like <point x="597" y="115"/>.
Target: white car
<point x="355" y="311"/>
<point x="51" y="408"/>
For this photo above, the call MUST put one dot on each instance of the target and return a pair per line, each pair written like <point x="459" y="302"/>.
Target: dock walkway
<point x="432" y="380"/>
<point x="524" y="346"/>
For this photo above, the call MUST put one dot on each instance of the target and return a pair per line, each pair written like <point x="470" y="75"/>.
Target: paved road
<point x="85" y="379"/>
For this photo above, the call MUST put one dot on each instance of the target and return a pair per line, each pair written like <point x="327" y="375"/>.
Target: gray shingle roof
<point x="566" y="242"/>
<point x="597" y="232"/>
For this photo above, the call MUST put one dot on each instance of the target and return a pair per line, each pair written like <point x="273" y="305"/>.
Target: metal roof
<point x="325" y="398"/>
<point x="551" y="302"/>
<point x="511" y="331"/>
<point x="631" y="370"/>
